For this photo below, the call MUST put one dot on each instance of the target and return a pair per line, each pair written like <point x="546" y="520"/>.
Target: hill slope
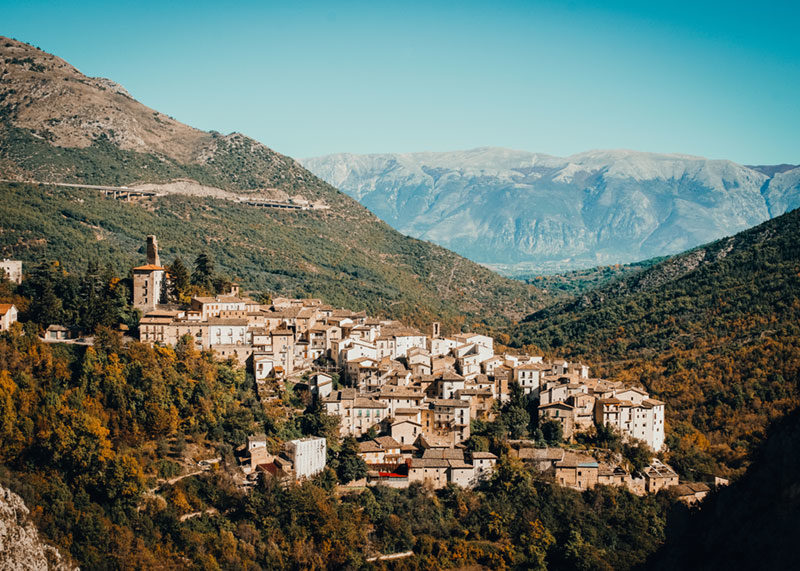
<point x="58" y="125"/>
<point x="751" y="524"/>
<point x="522" y="212"/>
<point x="714" y="332"/>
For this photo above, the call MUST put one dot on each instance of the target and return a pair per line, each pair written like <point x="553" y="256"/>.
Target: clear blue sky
<point x="718" y="79"/>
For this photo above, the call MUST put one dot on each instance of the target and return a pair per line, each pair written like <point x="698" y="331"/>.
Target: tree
<point x="178" y="280"/>
<point x="638" y="454"/>
<point x="608" y="437"/>
<point x="203" y="274"/>
<point x="46" y="307"/>
<point x="351" y="465"/>
<point x="517" y="420"/>
<point x="552" y="431"/>
<point x="317" y="422"/>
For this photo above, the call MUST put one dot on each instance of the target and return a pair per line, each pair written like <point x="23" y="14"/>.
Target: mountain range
<point x="523" y="213"/>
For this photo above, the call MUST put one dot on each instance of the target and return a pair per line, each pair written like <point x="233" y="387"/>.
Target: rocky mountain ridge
<point x="520" y="212"/>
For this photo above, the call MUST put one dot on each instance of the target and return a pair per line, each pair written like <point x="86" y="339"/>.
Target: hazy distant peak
<point x="516" y="209"/>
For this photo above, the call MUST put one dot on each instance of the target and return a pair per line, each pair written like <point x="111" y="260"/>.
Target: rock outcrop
<point x="21" y="549"/>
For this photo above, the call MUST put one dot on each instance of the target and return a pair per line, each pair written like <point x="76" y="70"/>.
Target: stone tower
<point x="152" y="251"/>
<point x="148" y="280"/>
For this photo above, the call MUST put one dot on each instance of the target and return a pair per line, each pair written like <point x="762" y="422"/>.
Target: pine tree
<point x="179" y="279"/>
<point x="203" y="271"/>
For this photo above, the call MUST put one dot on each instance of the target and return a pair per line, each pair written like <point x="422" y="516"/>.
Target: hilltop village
<point x="408" y="396"/>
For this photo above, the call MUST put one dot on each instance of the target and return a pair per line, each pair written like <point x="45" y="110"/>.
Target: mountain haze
<point x="57" y="125"/>
<point x="521" y="212"/>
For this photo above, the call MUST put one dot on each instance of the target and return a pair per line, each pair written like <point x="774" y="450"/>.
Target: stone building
<point x="149" y="280"/>
<point x="8" y="315"/>
<point x="13" y="270"/>
<point x="308" y="456"/>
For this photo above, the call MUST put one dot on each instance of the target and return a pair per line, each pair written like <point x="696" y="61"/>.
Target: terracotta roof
<point x="456" y="403"/>
<point x="401" y="421"/>
<point x="474" y="391"/>
<point x="429" y="463"/>
<point x="526" y="453"/>
<point x="369" y="446"/>
<point x="362" y="402"/>
<point x="459" y="465"/>
<point x="574" y="460"/>
<point x="5" y="307"/>
<point x="483" y="456"/>
<point x="406" y="411"/>
<point x="341" y="395"/>
<point x="399" y="392"/>
<point x="226" y="321"/>
<point x="148" y="268"/>
<point x="559" y="404"/>
<point x="532" y="367"/>
<point x="444" y="453"/>
<point x="387" y="442"/>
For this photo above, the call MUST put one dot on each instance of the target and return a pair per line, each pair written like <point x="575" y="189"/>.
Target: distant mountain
<point x="772" y="170"/>
<point x="58" y="125"/>
<point x="522" y="212"/>
<point x="713" y="332"/>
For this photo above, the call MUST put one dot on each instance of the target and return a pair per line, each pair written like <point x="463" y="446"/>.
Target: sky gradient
<point x="720" y="79"/>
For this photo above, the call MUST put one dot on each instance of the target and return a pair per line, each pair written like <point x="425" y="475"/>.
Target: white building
<point x="408" y="339"/>
<point x="644" y="421"/>
<point x="8" y="315"/>
<point x="13" y="270"/>
<point x="227" y="331"/>
<point x="528" y="377"/>
<point x="308" y="456"/>
<point x="483" y="463"/>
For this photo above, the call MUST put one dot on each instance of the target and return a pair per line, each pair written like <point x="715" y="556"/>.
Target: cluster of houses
<point x="419" y="390"/>
<point x="580" y="471"/>
<point x="409" y="397"/>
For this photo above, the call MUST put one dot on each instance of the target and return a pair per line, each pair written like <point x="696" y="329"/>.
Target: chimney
<point x="152" y="251"/>
<point x="436" y="330"/>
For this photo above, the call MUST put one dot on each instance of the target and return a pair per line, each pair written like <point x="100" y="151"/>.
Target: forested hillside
<point x="750" y="525"/>
<point x="57" y="125"/>
<point x="95" y="438"/>
<point x="714" y="332"/>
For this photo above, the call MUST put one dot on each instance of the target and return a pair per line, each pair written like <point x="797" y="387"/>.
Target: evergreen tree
<point x="178" y="280"/>
<point x="203" y="274"/>
<point x="351" y="465"/>
<point x="46" y="307"/>
<point x="553" y="432"/>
